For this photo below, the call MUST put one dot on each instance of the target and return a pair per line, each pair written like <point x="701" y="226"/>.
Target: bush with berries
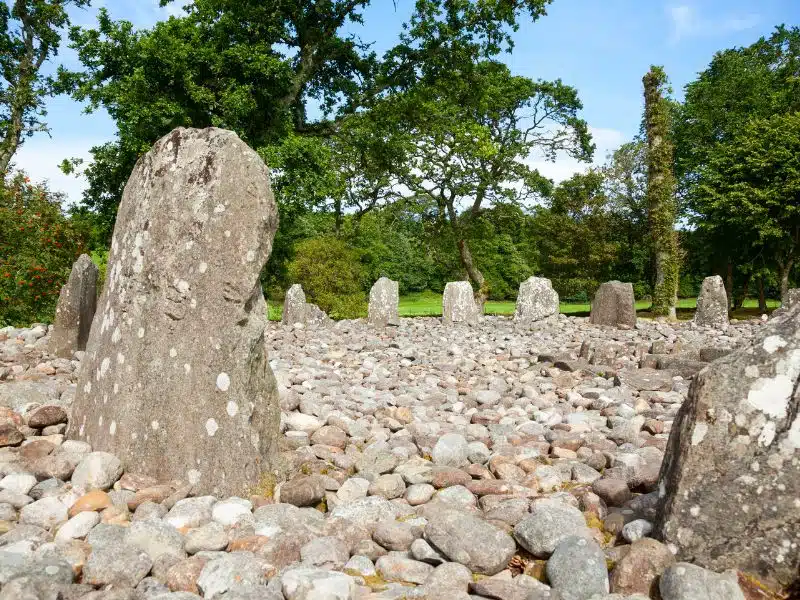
<point x="38" y="245"/>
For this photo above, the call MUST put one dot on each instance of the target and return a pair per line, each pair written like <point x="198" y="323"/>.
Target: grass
<point x="429" y="304"/>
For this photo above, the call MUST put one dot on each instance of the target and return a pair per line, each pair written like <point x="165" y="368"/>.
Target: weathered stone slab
<point x="712" y="303"/>
<point x="384" y="301"/>
<point x="536" y="301"/>
<point x="176" y="380"/>
<point x="294" y="306"/>
<point x="730" y="482"/>
<point x="75" y="310"/>
<point x="614" y="305"/>
<point x="458" y="303"/>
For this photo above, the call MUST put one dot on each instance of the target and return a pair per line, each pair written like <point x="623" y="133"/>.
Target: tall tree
<point x="255" y="67"/>
<point x="661" y="193"/>
<point x="474" y="132"/>
<point x="30" y="33"/>
<point x="750" y="186"/>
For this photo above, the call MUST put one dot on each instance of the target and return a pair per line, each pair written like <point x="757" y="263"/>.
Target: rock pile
<point x="176" y="381"/>
<point x="75" y="310"/>
<point x="429" y="462"/>
<point x="614" y="305"/>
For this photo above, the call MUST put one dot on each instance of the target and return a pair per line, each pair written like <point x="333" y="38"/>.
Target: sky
<point x="601" y="47"/>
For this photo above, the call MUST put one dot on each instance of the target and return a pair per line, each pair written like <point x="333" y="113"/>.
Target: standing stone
<point x="730" y="482"/>
<point x="176" y="380"/>
<point x="294" y="306"/>
<point x="75" y="310"/>
<point x="458" y="303"/>
<point x="384" y="299"/>
<point x="536" y="300"/>
<point x="712" y="303"/>
<point x="614" y="305"/>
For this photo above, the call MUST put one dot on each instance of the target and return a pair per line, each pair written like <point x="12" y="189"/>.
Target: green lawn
<point x="429" y="304"/>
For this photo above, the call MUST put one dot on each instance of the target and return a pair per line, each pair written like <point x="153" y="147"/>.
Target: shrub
<point x="38" y="246"/>
<point x="332" y="276"/>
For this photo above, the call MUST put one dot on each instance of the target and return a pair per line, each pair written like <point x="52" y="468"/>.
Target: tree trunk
<point x="743" y="295"/>
<point x="729" y="284"/>
<point x="475" y="276"/>
<point x="762" y="299"/>
<point x="661" y="195"/>
<point x="339" y="217"/>
<point x="785" y="269"/>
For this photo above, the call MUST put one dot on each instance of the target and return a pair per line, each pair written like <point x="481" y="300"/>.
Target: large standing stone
<point x="536" y="300"/>
<point x="75" y="310"/>
<point x="614" y="305"/>
<point x="176" y="380"/>
<point x="712" y="303"/>
<point x="458" y="303"/>
<point x="294" y="306"/>
<point x="730" y="482"/>
<point x="384" y="299"/>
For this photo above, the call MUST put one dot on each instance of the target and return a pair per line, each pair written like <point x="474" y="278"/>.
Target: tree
<point x="750" y="187"/>
<point x="473" y="132"/>
<point x="661" y="194"/>
<point x="254" y="67"/>
<point x="30" y="33"/>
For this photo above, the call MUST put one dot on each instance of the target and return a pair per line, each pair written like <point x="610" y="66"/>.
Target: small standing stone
<point x="536" y="301"/>
<point x="294" y="306"/>
<point x="614" y="305"/>
<point x="712" y="303"/>
<point x="384" y="299"/>
<point x="75" y="310"/>
<point x="458" y="303"/>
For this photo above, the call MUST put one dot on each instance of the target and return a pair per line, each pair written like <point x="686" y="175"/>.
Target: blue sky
<point x="601" y="47"/>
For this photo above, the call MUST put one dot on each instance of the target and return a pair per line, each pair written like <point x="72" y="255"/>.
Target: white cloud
<point x="687" y="22"/>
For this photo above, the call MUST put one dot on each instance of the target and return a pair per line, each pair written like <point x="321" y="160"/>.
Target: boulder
<point x="458" y="303"/>
<point x="712" y="303"/>
<point x="294" y="306"/>
<point x="75" y="309"/>
<point x="176" y="380"/>
<point x="536" y="301"/>
<point x="730" y="481"/>
<point x="614" y="305"/>
<point x="384" y="298"/>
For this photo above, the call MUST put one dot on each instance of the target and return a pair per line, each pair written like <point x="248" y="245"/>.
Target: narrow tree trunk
<point x="784" y="270"/>
<point x="743" y="295"/>
<point x="474" y="273"/>
<point x="661" y="195"/>
<point x="337" y="210"/>
<point x="729" y="284"/>
<point x="762" y="298"/>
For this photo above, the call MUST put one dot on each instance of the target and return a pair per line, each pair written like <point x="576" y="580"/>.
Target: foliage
<point x="331" y="275"/>
<point x="751" y="185"/>
<point x="661" y="193"/>
<point x="30" y="34"/>
<point x="38" y="246"/>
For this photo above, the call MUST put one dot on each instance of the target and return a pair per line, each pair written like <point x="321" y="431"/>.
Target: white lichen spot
<point x="189" y="244"/>
<point x="116" y="336"/>
<point x="771" y="395"/>
<point x="173" y="352"/>
<point x="223" y="382"/>
<point x="182" y="286"/>
<point x="154" y="425"/>
<point x="112" y="428"/>
<point x="232" y="408"/>
<point x="193" y="303"/>
<point x="193" y="475"/>
<point x="140" y="333"/>
<point x="751" y="371"/>
<point x="203" y="267"/>
<point x="219" y="209"/>
<point x="694" y="511"/>
<point x="211" y="427"/>
<point x="772" y="343"/>
<point x="187" y="368"/>
<point x="120" y="358"/>
<point x="227" y="234"/>
<point x="134" y="435"/>
<point x="793" y="436"/>
<point x="104" y="366"/>
<point x="116" y="388"/>
<point x="251" y="256"/>
<point x="699" y="432"/>
<point x="100" y="421"/>
<point x="755" y="467"/>
<point x="87" y="389"/>
<point x="767" y="434"/>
